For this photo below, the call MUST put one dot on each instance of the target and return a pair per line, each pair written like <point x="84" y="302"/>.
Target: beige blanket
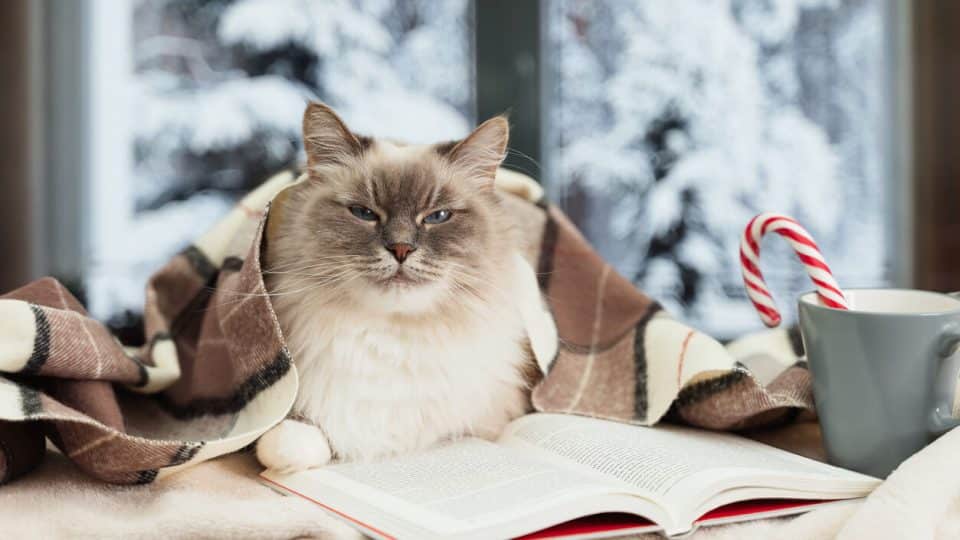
<point x="215" y="372"/>
<point x="222" y="499"/>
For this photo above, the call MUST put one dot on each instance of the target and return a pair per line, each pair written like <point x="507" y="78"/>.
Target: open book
<point x="548" y="470"/>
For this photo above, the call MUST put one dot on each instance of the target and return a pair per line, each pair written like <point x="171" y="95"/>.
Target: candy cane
<point x="806" y="250"/>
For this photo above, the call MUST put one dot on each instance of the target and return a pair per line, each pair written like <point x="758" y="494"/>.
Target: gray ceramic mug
<point x="884" y="373"/>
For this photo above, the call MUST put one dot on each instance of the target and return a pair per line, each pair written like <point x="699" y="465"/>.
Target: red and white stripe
<point x="806" y="250"/>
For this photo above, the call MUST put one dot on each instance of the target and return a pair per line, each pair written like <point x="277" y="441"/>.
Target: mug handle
<point x="946" y="406"/>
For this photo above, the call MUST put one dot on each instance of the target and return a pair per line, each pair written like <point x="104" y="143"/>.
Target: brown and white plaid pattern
<point x="215" y="372"/>
<point x="621" y="357"/>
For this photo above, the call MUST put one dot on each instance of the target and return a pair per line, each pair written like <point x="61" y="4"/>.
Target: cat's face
<point x="394" y="227"/>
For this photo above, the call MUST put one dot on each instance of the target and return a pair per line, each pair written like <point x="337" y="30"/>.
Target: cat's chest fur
<point x="377" y="387"/>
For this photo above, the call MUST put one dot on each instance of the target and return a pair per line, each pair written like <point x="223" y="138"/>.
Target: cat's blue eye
<point x="363" y="213"/>
<point x="437" y="217"/>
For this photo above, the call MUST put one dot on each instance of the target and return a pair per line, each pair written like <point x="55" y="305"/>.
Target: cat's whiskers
<point x="326" y="281"/>
<point x="322" y="258"/>
<point x="326" y="262"/>
<point x="422" y="268"/>
<point x="466" y="292"/>
<point x="327" y="272"/>
<point x="462" y="272"/>
<point x="330" y="280"/>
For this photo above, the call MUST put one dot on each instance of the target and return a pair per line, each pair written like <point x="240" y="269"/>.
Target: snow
<point x="322" y="27"/>
<point x="218" y="93"/>
<point x="221" y="115"/>
<point x="267" y="24"/>
<point x="683" y="119"/>
<point x="395" y="85"/>
<point x="118" y="281"/>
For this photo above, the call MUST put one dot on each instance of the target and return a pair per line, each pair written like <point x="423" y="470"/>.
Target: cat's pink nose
<point x="400" y="251"/>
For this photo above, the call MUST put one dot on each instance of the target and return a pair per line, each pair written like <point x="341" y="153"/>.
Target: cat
<point x="393" y="274"/>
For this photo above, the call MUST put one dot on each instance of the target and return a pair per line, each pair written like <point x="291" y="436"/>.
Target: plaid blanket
<point x="215" y="373"/>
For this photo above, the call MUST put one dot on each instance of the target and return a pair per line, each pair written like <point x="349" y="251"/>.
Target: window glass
<point x="219" y="88"/>
<point x="670" y="124"/>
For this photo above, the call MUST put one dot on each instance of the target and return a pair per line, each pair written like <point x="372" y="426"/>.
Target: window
<point x="673" y="123"/>
<point x="217" y="95"/>
<point x="660" y="127"/>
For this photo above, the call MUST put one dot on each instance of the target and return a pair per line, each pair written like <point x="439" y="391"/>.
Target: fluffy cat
<point x="394" y="274"/>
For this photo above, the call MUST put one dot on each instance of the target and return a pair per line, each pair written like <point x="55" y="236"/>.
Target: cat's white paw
<point x="293" y="446"/>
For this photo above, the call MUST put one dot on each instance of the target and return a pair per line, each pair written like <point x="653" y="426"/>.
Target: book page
<point x="458" y="487"/>
<point x="658" y="460"/>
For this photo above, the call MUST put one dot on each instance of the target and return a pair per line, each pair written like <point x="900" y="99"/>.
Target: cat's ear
<point x="483" y="150"/>
<point x="326" y="139"/>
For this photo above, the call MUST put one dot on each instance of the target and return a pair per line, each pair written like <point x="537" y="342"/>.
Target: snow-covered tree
<point x="677" y="121"/>
<point x="219" y="88"/>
